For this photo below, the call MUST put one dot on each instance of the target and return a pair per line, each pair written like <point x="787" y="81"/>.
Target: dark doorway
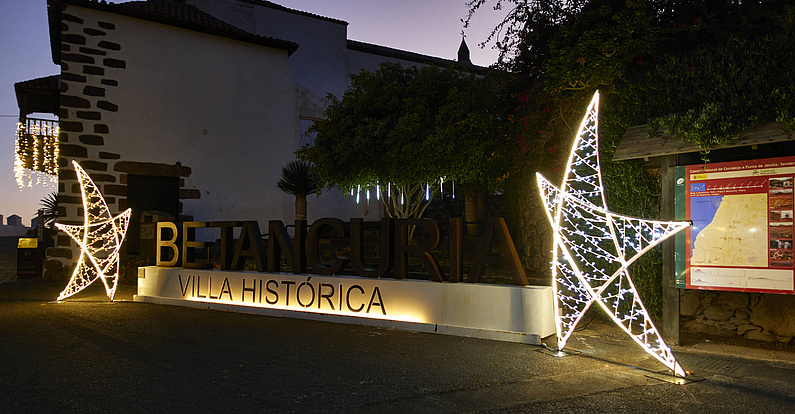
<point x="149" y="193"/>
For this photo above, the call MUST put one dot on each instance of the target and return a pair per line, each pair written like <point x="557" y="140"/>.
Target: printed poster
<point x="741" y="237"/>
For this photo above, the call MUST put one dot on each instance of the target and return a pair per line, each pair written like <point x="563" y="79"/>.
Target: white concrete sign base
<point x="498" y="312"/>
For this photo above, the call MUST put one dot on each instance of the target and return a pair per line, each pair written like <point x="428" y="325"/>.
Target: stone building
<point x="190" y="108"/>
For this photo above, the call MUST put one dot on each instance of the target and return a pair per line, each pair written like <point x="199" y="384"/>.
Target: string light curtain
<point x="36" y="153"/>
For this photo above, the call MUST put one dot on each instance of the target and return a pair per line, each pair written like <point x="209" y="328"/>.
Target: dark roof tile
<point x="47" y="83"/>
<point x="275" y="6"/>
<point x="411" y="56"/>
<point x="181" y="15"/>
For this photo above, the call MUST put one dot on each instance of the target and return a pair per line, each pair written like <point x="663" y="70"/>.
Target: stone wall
<point x="91" y="61"/>
<point x="756" y="316"/>
<point x="533" y="237"/>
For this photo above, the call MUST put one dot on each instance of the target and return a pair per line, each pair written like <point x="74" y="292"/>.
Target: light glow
<point x="36" y="153"/>
<point x="396" y="317"/>
<point x="99" y="238"/>
<point x="593" y="248"/>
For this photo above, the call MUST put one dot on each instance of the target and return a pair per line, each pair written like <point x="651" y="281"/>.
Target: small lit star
<point x="99" y="238"/>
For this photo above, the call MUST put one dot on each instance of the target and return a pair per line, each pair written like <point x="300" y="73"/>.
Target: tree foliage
<point x="702" y="69"/>
<point x="296" y="179"/>
<point x="49" y="207"/>
<point x="410" y="127"/>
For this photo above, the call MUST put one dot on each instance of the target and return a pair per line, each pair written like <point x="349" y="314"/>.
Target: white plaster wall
<point x="319" y="64"/>
<point x="224" y="108"/>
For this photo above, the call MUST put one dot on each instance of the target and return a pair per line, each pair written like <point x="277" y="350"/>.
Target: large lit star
<point x="593" y="248"/>
<point x="99" y="238"/>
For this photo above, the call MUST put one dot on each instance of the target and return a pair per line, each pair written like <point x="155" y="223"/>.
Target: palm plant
<point x="297" y="180"/>
<point x="49" y="206"/>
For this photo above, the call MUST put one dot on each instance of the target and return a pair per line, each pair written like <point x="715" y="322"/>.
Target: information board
<point x="741" y="237"/>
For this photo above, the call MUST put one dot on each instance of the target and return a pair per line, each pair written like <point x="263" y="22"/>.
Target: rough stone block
<point x="109" y="82"/>
<point x="93" y="91"/>
<point x="109" y="45"/>
<point x="76" y="57"/>
<point x="93" y="32"/>
<point x="117" y="190"/>
<point x="94" y="166"/>
<point x="756" y="335"/>
<point x="775" y="313"/>
<point x="101" y="129"/>
<point x="108" y="156"/>
<point x="74" y="101"/>
<point x="92" y="139"/>
<point x="114" y="63"/>
<point x="732" y="300"/>
<point x="89" y="115"/>
<point x="688" y="304"/>
<point x="74" y="151"/>
<point x="72" y="77"/>
<point x="106" y="25"/>
<point x="71" y="126"/>
<point x="90" y="51"/>
<point x="71" y="18"/>
<point x="107" y="106"/>
<point x="189" y="194"/>
<point x="742" y="329"/>
<point x="698" y="327"/>
<point x="73" y="38"/>
<point x="65" y="174"/>
<point x="93" y="70"/>
<point x="67" y="199"/>
<point x="103" y="178"/>
<point x="715" y="313"/>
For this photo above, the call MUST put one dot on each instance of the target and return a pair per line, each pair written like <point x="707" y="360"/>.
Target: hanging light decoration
<point x="36" y="153"/>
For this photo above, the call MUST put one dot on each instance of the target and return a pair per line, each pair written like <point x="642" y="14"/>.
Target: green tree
<point x="702" y="69"/>
<point x="405" y="130"/>
<point x="297" y="180"/>
<point x="49" y="207"/>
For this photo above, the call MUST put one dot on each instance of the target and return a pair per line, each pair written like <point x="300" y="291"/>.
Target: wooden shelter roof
<point x="637" y="143"/>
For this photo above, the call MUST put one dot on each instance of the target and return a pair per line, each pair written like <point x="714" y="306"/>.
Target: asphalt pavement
<point x="88" y="355"/>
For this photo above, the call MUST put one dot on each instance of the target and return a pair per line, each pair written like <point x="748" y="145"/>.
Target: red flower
<point x="687" y="69"/>
<point x="639" y="61"/>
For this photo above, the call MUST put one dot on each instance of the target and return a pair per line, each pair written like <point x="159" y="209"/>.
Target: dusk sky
<point x="431" y="27"/>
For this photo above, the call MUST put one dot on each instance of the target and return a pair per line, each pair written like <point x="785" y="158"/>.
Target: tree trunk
<point x="300" y="207"/>
<point x="471" y="212"/>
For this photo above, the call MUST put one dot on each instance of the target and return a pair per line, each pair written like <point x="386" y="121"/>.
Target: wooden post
<point x="670" y="322"/>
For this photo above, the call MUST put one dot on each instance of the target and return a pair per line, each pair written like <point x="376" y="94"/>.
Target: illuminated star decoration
<point x="99" y="238"/>
<point x="593" y="248"/>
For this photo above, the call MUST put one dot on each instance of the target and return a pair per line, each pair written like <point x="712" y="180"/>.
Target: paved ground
<point x="89" y="355"/>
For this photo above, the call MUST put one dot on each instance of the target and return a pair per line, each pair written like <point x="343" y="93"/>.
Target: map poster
<point x="742" y="214"/>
